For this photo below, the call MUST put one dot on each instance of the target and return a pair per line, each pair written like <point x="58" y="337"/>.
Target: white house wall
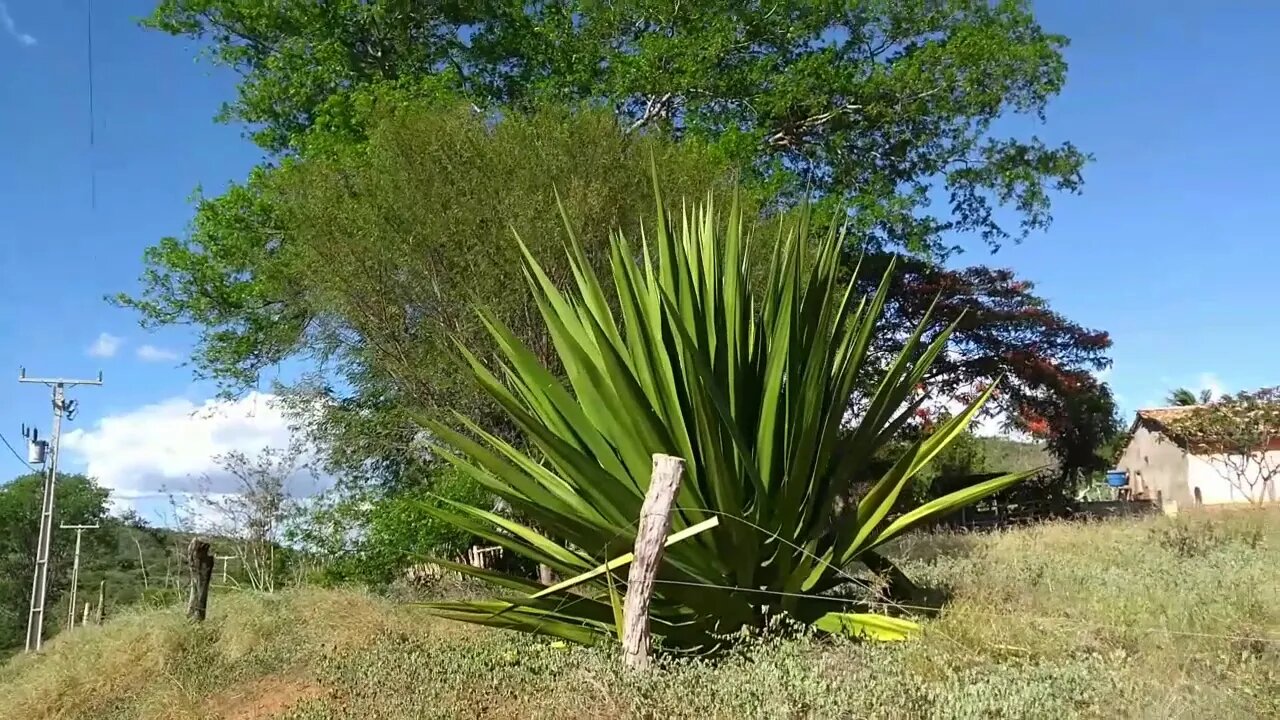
<point x="1157" y="467"/>
<point x="1220" y="484"/>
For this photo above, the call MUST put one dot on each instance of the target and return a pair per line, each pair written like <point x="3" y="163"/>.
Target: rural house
<point x="1163" y="469"/>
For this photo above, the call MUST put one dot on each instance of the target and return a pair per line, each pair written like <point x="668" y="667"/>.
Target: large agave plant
<point x="751" y="387"/>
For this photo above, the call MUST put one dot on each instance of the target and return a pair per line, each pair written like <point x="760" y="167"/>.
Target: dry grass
<point x="269" y="696"/>
<point x="1148" y="618"/>
<point x="154" y="664"/>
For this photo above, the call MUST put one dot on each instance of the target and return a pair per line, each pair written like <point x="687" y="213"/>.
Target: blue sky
<point x="1168" y="248"/>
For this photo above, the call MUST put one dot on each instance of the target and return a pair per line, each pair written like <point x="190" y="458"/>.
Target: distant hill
<point x="1008" y="455"/>
<point x="140" y="565"/>
<point x="147" y="565"/>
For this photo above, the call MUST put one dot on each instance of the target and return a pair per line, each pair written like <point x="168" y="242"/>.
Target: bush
<point x="751" y="387"/>
<point x="395" y="532"/>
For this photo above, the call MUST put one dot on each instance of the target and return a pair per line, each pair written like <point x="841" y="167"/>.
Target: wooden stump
<point x="200" y="562"/>
<point x="655" y="521"/>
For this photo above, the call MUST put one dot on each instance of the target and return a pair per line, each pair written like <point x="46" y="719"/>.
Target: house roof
<point x="1159" y="419"/>
<point x="1161" y="416"/>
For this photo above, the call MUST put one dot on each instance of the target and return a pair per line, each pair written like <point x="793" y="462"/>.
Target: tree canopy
<point x="406" y="140"/>
<point x="1005" y="331"/>
<point x="884" y="107"/>
<point x="79" y="500"/>
<point x="1183" y="397"/>
<point x="369" y="261"/>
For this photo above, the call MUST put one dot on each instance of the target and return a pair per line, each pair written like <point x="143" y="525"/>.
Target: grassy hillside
<point x="1150" y="618"/>
<point x="1005" y="455"/>
<point x="149" y="565"/>
<point x="141" y="566"/>
<point x="132" y="561"/>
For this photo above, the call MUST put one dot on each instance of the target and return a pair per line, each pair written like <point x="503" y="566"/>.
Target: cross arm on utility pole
<point x="224" y="559"/>
<point x="65" y="382"/>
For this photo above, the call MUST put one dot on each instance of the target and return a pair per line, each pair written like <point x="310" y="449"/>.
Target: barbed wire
<point x="568" y="600"/>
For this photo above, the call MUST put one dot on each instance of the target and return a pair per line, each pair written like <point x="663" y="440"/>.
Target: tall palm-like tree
<point x="1182" y="397"/>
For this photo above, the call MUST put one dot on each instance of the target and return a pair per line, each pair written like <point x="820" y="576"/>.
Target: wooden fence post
<point x="200" y="561"/>
<point x="102" y="596"/>
<point x="655" y="521"/>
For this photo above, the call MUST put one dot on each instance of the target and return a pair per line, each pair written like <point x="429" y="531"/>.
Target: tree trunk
<point x="655" y="521"/>
<point x="200" y="562"/>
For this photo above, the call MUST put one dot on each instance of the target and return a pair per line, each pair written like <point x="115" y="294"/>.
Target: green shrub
<point x="751" y="386"/>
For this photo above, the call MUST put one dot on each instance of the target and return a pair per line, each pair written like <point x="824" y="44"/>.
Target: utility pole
<point x="75" y="570"/>
<point x="39" y="582"/>
<point x="224" y="559"/>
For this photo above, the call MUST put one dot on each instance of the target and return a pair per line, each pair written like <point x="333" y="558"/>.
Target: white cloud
<point x="171" y="446"/>
<point x="989" y="423"/>
<point x="1212" y="383"/>
<point x="107" y="345"/>
<point x="12" y="28"/>
<point x="151" y="353"/>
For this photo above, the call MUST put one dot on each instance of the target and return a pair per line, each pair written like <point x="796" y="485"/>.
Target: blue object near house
<point x="1117" y="478"/>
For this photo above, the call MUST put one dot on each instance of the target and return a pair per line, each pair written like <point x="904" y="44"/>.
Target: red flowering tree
<point x="1004" y="329"/>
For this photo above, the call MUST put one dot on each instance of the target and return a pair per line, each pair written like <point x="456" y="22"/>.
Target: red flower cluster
<point x="1035" y="425"/>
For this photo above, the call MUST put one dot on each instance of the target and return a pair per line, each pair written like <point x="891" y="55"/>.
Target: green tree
<point x="960" y="463"/>
<point x="1182" y="397"/>
<point x="876" y="106"/>
<point x="365" y="261"/>
<point x="394" y="534"/>
<point x="882" y="106"/>
<point x="79" y="500"/>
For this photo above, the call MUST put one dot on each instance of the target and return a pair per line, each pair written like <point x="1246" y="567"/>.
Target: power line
<point x="93" y="170"/>
<point x="25" y="464"/>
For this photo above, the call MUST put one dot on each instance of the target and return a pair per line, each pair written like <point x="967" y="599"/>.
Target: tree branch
<point x="655" y="108"/>
<point x="791" y="134"/>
